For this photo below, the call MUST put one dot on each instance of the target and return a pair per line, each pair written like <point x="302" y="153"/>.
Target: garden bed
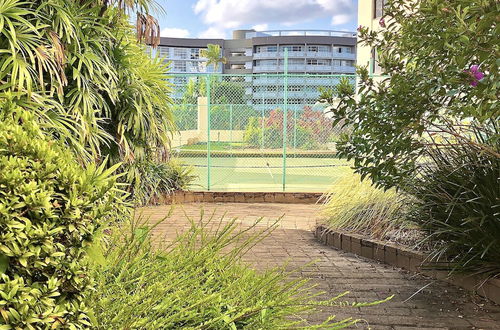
<point x="403" y="257"/>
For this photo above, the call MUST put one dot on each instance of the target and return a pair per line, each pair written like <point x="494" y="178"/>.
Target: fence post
<point x="295" y="128"/>
<point x="263" y="128"/>
<point x="231" y="125"/>
<point x="285" y="115"/>
<point x="208" y="131"/>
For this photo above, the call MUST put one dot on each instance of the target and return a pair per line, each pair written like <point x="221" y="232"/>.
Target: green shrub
<point x="458" y="194"/>
<point x="50" y="209"/>
<point x="357" y="206"/>
<point x="197" y="283"/>
<point x="150" y="179"/>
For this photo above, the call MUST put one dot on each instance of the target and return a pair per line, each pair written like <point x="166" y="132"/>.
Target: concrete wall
<point x="201" y="133"/>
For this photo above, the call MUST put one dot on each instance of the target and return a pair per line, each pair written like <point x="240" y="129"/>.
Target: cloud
<point x="174" y="33"/>
<point x="213" y="33"/>
<point x="229" y="14"/>
<point x="261" y="27"/>
<point x="340" y="19"/>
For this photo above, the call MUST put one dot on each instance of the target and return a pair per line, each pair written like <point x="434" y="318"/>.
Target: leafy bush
<point x="357" y="206"/>
<point x="50" y="209"/>
<point x="150" y="179"/>
<point x="270" y="135"/>
<point x="458" y="192"/>
<point x="431" y="78"/>
<point x="197" y="282"/>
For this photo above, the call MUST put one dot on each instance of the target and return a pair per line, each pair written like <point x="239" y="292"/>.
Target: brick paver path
<point x="437" y="306"/>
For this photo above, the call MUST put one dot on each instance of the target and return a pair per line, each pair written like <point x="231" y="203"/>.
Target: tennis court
<point x="304" y="174"/>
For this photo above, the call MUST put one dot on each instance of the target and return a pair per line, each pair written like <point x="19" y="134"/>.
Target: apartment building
<point x="259" y="57"/>
<point x="369" y="14"/>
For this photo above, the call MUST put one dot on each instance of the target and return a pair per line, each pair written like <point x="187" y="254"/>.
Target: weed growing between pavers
<point x="198" y="281"/>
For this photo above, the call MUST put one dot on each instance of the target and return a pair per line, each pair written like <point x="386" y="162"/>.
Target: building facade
<point x="369" y="14"/>
<point x="259" y="57"/>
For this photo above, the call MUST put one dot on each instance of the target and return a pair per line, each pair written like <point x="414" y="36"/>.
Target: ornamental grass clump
<point x="356" y="205"/>
<point x="50" y="209"/>
<point x="198" y="282"/>
<point x="458" y="202"/>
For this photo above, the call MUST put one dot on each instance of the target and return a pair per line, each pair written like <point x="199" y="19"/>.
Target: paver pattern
<point x="419" y="302"/>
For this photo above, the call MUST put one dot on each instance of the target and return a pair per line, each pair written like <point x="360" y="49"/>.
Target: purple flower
<point x="475" y="75"/>
<point x="360" y="28"/>
<point x="382" y="22"/>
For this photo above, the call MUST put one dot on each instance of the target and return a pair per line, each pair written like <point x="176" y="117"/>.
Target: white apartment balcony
<point x="266" y="94"/>
<point x="265" y="55"/>
<point x="319" y="68"/>
<point x="259" y="81"/>
<point x="292" y="54"/>
<point x="344" y="69"/>
<point x="265" y="68"/>
<point x="344" y="56"/>
<point x="319" y="54"/>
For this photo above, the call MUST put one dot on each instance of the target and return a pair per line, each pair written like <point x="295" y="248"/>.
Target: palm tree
<point x="213" y="56"/>
<point x="77" y="66"/>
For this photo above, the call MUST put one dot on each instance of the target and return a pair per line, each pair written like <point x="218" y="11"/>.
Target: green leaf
<point x="94" y="251"/>
<point x="4" y="263"/>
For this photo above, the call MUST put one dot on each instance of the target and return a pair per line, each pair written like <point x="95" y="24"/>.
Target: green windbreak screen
<point x="257" y="132"/>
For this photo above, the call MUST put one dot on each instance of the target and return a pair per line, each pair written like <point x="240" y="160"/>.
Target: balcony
<point x="265" y="68"/>
<point x="344" y="56"/>
<point x="265" y="55"/>
<point x="344" y="69"/>
<point x="266" y="95"/>
<point x="319" y="68"/>
<point x="319" y="54"/>
<point x="292" y="54"/>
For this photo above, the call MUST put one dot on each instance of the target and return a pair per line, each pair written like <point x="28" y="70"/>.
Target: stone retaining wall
<point x="398" y="256"/>
<point x="238" y="197"/>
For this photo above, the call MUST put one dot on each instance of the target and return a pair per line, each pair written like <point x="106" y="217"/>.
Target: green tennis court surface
<point x="305" y="174"/>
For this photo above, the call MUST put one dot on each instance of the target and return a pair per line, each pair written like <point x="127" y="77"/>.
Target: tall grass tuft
<point x="198" y="282"/>
<point x="355" y="205"/>
<point x="150" y="179"/>
<point x="458" y="193"/>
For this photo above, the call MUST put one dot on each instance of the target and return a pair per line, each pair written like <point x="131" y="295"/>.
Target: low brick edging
<point x="399" y="256"/>
<point x="238" y="197"/>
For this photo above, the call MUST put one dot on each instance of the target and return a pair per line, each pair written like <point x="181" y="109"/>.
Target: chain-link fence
<point x="257" y="132"/>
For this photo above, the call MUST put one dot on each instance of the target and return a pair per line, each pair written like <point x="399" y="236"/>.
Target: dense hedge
<point x="50" y="209"/>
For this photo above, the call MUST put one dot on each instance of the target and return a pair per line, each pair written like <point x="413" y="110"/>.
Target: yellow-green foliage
<point x="50" y="209"/>
<point x="357" y="206"/>
<point x="199" y="283"/>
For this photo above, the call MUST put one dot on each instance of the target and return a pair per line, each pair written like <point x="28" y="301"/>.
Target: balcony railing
<point x="334" y="55"/>
<point x="282" y="33"/>
<point x="305" y="68"/>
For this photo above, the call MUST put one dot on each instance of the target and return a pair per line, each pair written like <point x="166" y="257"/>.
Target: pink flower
<point x="475" y="75"/>
<point x="382" y="22"/>
<point x="360" y="28"/>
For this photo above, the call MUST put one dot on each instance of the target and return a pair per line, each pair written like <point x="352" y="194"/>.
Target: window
<point x="180" y="53"/>
<point x="336" y="62"/>
<point x="195" y="53"/>
<point x="293" y="61"/>
<point x="318" y="48"/>
<point x="164" y="51"/>
<point x="294" y="88"/>
<point x="293" y="48"/>
<point x="180" y="80"/>
<point x="180" y="66"/>
<point x="378" y="8"/>
<point x="317" y="62"/>
<point x="265" y="63"/>
<point x="265" y="49"/>
<point x="374" y="65"/>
